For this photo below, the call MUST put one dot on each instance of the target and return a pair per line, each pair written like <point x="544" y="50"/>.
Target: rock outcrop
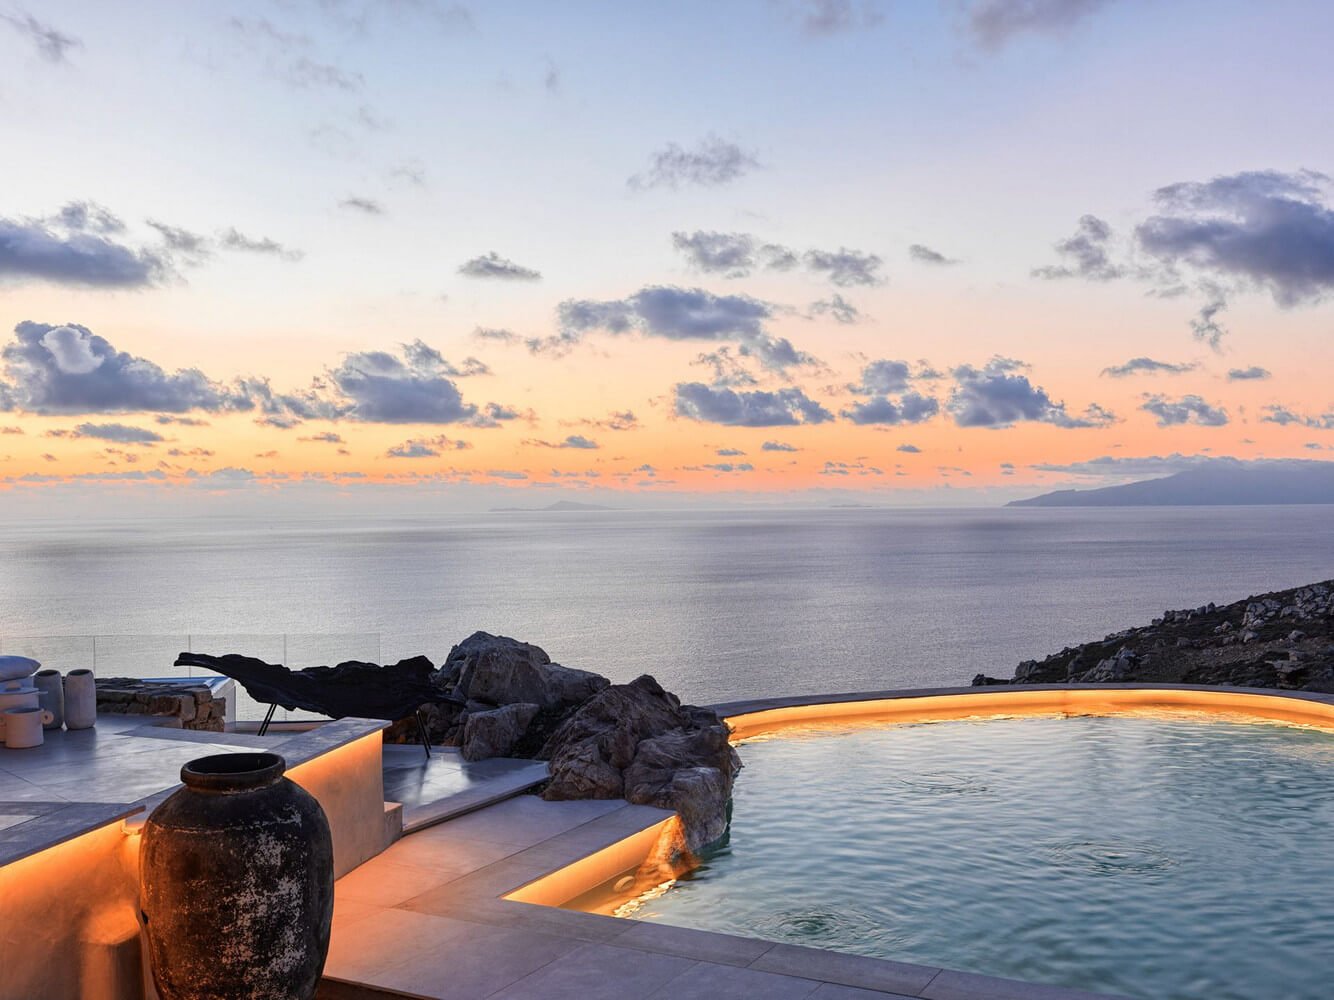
<point x="1283" y="639"/>
<point x="497" y="732"/>
<point x="637" y="741"/>
<point x="502" y="671"/>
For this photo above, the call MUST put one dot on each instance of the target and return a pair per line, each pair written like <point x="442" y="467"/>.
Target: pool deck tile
<point x="846" y="970"/>
<point x="833" y="991"/>
<point x="720" y="982"/>
<point x="439" y="957"/>
<point x="686" y="942"/>
<point x="598" y="972"/>
<point x="951" y="985"/>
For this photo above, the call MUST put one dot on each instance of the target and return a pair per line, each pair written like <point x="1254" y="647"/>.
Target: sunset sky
<point x="917" y="252"/>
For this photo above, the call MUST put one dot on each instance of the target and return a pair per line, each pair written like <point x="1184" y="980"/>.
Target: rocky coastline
<point x="1283" y="639"/>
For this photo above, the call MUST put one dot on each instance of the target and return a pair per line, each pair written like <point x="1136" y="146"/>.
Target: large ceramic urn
<point x="237" y="883"/>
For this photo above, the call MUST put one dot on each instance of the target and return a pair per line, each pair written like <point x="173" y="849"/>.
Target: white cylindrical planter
<point x="52" y="695"/>
<point x="23" y="727"/>
<point x="80" y="699"/>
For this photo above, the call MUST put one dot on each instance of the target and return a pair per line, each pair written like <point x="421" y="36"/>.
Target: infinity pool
<point x="1150" y="855"/>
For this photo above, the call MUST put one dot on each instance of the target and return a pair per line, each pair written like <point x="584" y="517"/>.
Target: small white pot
<point x="22" y="727"/>
<point x="51" y="695"/>
<point x="80" y="699"/>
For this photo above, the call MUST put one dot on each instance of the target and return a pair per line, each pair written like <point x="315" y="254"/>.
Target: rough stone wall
<point x="193" y="705"/>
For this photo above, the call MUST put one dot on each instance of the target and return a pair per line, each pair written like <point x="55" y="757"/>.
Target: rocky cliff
<point x="1283" y="639"/>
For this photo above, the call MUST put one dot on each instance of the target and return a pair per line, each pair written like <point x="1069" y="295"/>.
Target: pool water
<point x="1164" y="855"/>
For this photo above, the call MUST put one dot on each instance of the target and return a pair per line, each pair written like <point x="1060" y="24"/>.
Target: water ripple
<point x="1109" y="857"/>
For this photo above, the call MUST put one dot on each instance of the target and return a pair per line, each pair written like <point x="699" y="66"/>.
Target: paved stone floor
<point x="426" y="919"/>
<point x="435" y="788"/>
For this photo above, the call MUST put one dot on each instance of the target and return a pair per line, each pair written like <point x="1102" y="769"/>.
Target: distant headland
<point x="1213" y="485"/>
<point x="559" y="505"/>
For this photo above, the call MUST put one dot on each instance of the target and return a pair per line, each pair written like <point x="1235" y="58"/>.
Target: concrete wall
<point x="349" y="784"/>
<point x="69" y="921"/>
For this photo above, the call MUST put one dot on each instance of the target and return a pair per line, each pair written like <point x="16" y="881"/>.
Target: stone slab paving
<point x="426" y="919"/>
<point x="444" y="785"/>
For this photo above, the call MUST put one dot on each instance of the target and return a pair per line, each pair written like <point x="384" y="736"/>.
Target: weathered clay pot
<point x="236" y="883"/>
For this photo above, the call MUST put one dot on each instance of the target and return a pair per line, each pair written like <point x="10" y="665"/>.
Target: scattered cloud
<point x="119" y="433"/>
<point x="778" y="446"/>
<point x="492" y="265"/>
<point x="837" y="308"/>
<point x="845" y="267"/>
<point x="366" y="206"/>
<point x="231" y="239"/>
<point x="576" y="441"/>
<point x="711" y="163"/>
<point x="850" y="469"/>
<point x="426" y="447"/>
<point x="1205" y="325"/>
<point x="722" y="467"/>
<point x="678" y="314"/>
<point x="1250" y="374"/>
<point x="779" y="408"/>
<point x="910" y="408"/>
<point x="998" y="395"/>
<point x="880" y="378"/>
<point x="194" y="247"/>
<point x="1147" y="366"/>
<point x="325" y="437"/>
<point x="617" y="420"/>
<point x="729" y="453"/>
<point x="831" y="17"/>
<point x="925" y="255"/>
<point x="52" y="45"/>
<point x="737" y="255"/>
<point x="1283" y="416"/>
<point x="496" y="334"/>
<point x="164" y="418"/>
<point x="75" y="248"/>
<point x="993" y="23"/>
<point x="1258" y="229"/>
<point x="416" y="388"/>
<point x="731" y="255"/>
<point x="306" y="73"/>
<point x="1189" y="409"/>
<point x="1085" y="254"/>
<point x="909" y="449"/>
<point x="69" y="369"/>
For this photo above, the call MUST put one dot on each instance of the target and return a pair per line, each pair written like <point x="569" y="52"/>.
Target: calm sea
<point x="716" y="604"/>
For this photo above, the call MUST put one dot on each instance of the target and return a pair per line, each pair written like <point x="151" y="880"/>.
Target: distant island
<point x="559" y="505"/>
<point x="1221" y="484"/>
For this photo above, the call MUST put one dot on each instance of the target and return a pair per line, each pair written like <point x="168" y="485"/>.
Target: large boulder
<point x="690" y="771"/>
<point x="639" y="742"/>
<point x="498" y="670"/>
<point x="497" y="732"/>
<point x="615" y="720"/>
